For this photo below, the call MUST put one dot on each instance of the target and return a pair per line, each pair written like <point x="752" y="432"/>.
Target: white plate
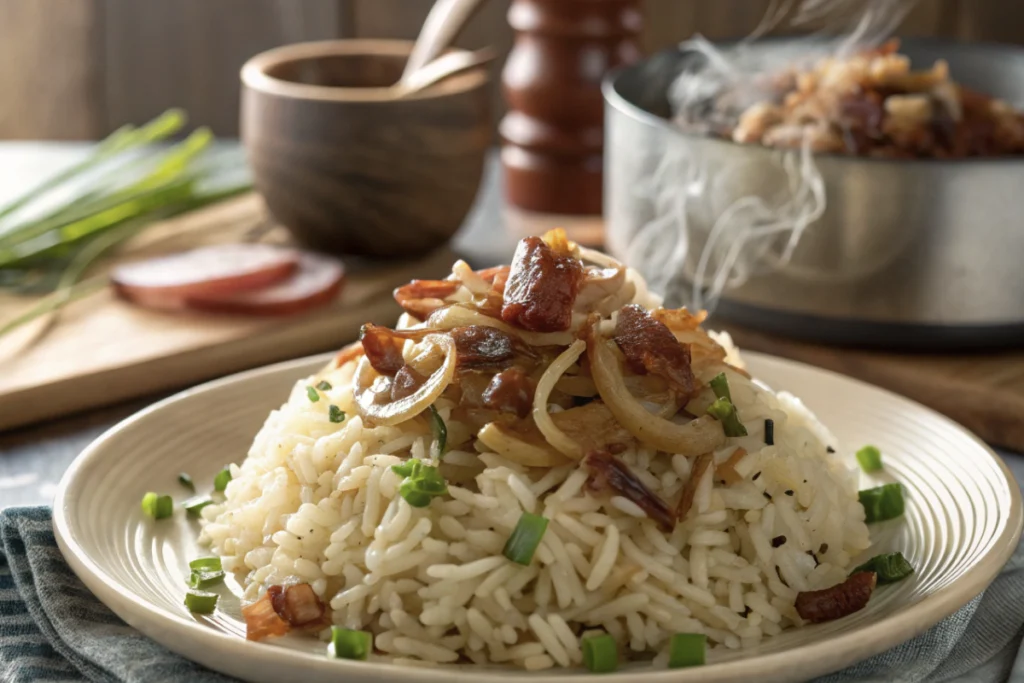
<point x="963" y="521"/>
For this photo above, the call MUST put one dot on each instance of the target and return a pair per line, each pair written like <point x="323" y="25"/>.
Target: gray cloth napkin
<point x="53" y="629"/>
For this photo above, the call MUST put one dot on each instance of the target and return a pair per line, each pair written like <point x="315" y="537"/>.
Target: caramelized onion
<point x="519" y="447"/>
<point x="555" y="436"/>
<point x="412" y="405"/>
<point x="699" y="436"/>
<point x="453" y="316"/>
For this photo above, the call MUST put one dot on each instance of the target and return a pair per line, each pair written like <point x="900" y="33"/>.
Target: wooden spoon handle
<point x="441" y="68"/>
<point x="442" y="26"/>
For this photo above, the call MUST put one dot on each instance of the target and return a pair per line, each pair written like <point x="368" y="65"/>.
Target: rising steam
<point x="703" y="240"/>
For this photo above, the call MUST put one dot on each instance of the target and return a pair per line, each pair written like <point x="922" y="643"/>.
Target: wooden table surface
<point x="33" y="459"/>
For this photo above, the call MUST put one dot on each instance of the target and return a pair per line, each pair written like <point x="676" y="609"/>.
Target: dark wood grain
<point x="187" y="53"/>
<point x="50" y="69"/>
<point x="354" y="173"/>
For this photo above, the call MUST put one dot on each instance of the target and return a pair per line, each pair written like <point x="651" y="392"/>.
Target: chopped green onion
<point x="440" y="431"/>
<point x="312" y="394"/>
<point x="720" y="385"/>
<point x="187" y="482"/>
<point x="205" y="579"/>
<point x="194" y="506"/>
<point x="324" y="385"/>
<point x="335" y="414"/>
<point x="220" y="482"/>
<point x="870" y="459"/>
<point x="200" y="602"/>
<point x="686" y="649"/>
<point x="421" y="484"/>
<point x="724" y="411"/>
<point x="157" y="506"/>
<point x="600" y="654"/>
<point x="890" y="567"/>
<point x="882" y="502"/>
<point x="525" y="538"/>
<point x="348" y="644"/>
<point x="212" y="564"/>
<point x="769" y="432"/>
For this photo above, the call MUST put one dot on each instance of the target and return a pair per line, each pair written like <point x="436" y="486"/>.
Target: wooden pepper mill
<point x="553" y="134"/>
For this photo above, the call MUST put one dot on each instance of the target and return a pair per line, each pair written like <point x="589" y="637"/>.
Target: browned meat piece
<point x="383" y="348"/>
<point x="510" y="391"/>
<point x="838" y="601"/>
<point x="608" y="472"/>
<point x="700" y="466"/>
<point x="483" y="348"/>
<point x="593" y="427"/>
<point x="422" y="297"/>
<point x="542" y="287"/>
<point x="297" y="604"/>
<point x="406" y="382"/>
<point x="650" y="347"/>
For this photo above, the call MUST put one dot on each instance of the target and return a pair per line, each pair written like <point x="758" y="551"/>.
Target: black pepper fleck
<point x="754" y="478"/>
<point x="789" y="492"/>
<point x="816" y="563"/>
<point x="778" y="540"/>
<point x="823" y="549"/>
<point x="830" y="449"/>
<point x="767" y="495"/>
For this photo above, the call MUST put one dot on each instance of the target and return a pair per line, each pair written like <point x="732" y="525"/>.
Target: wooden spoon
<point x="441" y="27"/>
<point x="441" y="68"/>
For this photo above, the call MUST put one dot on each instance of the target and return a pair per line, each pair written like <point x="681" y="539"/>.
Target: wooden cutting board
<point x="102" y="350"/>
<point x="983" y="392"/>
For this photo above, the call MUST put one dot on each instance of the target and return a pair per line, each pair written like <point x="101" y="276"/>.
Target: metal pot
<point x="922" y="253"/>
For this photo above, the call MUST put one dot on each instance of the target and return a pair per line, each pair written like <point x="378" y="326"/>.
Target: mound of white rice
<point x="317" y="502"/>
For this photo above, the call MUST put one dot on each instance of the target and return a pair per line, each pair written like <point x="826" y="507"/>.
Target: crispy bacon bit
<point x="482" y="348"/>
<point x="262" y="620"/>
<point x="383" y="348"/>
<point x="510" y="391"/>
<point x="593" y="427"/>
<point x="406" y="382"/>
<point x="542" y="287"/>
<point x="837" y="601"/>
<point x="420" y="298"/>
<point x="608" y="472"/>
<point x="650" y="347"/>
<point x="700" y="466"/>
<point x="727" y="470"/>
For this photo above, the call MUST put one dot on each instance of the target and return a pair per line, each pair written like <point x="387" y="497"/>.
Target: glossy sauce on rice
<point x="316" y="501"/>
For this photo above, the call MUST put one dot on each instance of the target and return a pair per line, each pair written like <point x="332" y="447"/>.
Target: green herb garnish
<point x="882" y="502"/>
<point x="870" y="459"/>
<point x="221" y="479"/>
<point x="312" y="394"/>
<point x="525" y="538"/>
<point x="323" y="385"/>
<point x="157" y="506"/>
<point x="194" y="506"/>
<point x="349" y="644"/>
<point x="440" y="431"/>
<point x="206" y="572"/>
<point x="686" y="649"/>
<point x="421" y="484"/>
<point x="725" y="412"/>
<point x="200" y="602"/>
<point x="600" y="654"/>
<point x="720" y="385"/>
<point x="890" y="567"/>
<point x="187" y="482"/>
<point x="335" y="414"/>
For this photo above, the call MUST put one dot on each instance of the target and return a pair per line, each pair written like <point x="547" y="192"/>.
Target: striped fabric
<point x="53" y="629"/>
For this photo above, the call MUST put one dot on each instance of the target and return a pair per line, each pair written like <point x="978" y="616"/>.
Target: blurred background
<point x="78" y="69"/>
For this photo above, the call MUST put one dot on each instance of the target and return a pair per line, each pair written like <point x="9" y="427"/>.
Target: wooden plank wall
<point x="77" y="69"/>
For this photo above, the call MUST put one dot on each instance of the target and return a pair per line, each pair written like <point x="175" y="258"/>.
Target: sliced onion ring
<point x="413" y="404"/>
<point x="512" y="446"/>
<point x="694" y="438"/>
<point x="459" y="316"/>
<point x="555" y="436"/>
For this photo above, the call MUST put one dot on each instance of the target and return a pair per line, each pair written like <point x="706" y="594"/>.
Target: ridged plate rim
<point x="267" y="662"/>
